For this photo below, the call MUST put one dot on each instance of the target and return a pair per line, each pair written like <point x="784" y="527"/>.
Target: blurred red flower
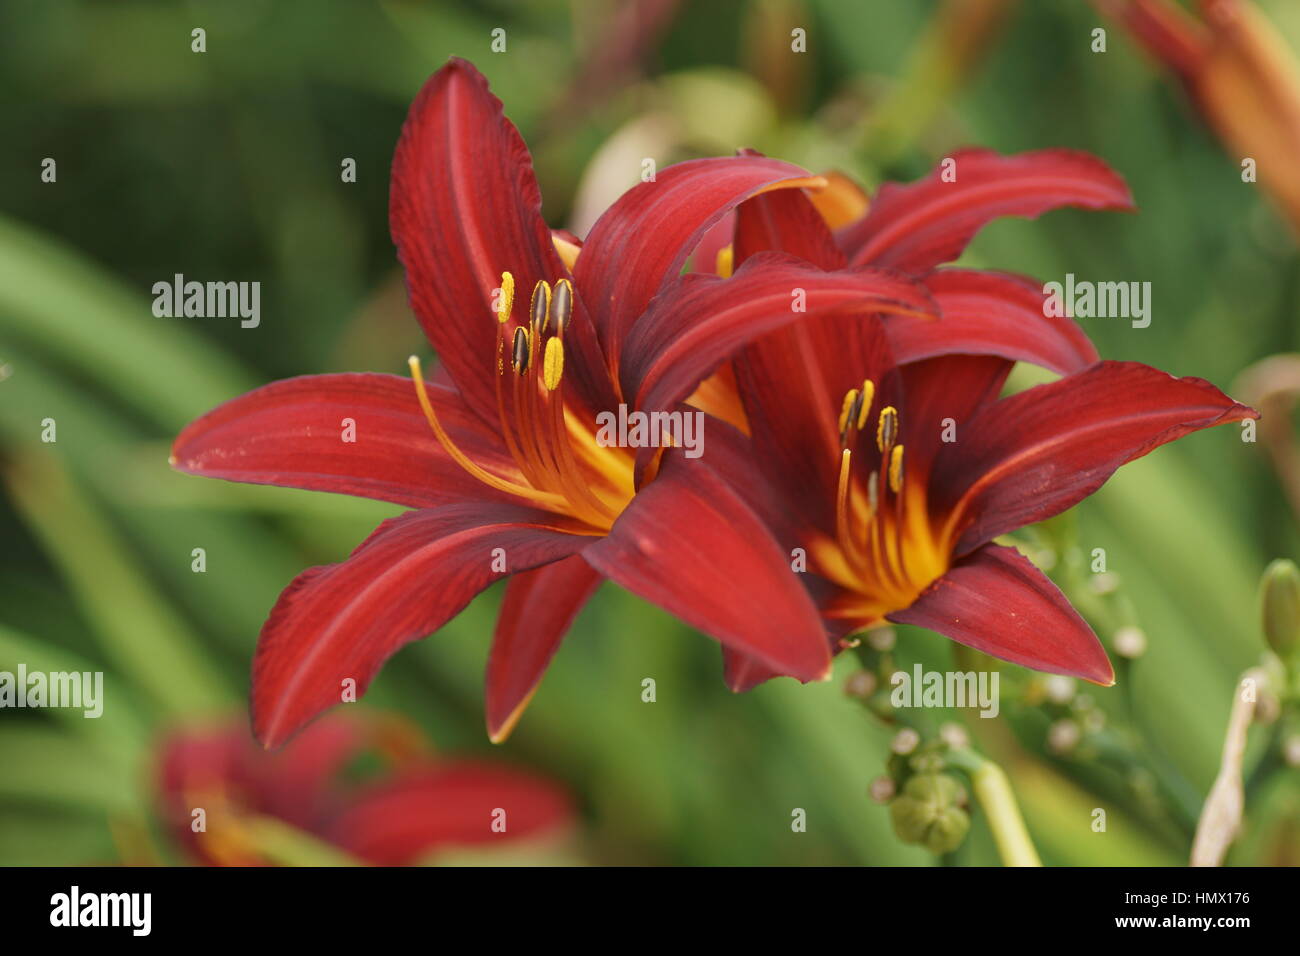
<point x="421" y="803"/>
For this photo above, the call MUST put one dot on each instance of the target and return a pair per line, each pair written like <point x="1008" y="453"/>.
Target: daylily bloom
<point x="887" y="454"/>
<point x="499" y="455"/>
<point x="419" y="806"/>
<point x="912" y="228"/>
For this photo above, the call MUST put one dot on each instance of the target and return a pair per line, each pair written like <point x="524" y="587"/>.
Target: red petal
<point x="690" y="544"/>
<point x="290" y="433"/>
<point x="537" y="611"/>
<point x="416" y="572"/>
<point x="916" y="226"/>
<point x="465" y="207"/>
<point x="785" y="221"/>
<point x="643" y="240"/>
<point x="993" y="313"/>
<point x="793" y="383"/>
<point x="743" y="673"/>
<point x="997" y="602"/>
<point x="1034" y="454"/>
<point x="953" y="387"/>
<point x="402" y="820"/>
<point x="702" y="320"/>
<point x="720" y="235"/>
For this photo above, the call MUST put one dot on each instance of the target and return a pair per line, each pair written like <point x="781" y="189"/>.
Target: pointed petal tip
<point x="499" y="731"/>
<point x="1104" y="679"/>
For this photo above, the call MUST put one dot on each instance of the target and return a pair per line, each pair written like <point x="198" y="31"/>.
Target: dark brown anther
<point x="519" y="351"/>
<point x="539" y="307"/>
<point x="561" y="305"/>
<point x="851" y="419"/>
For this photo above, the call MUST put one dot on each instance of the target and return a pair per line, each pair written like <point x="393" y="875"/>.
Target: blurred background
<point x="226" y="165"/>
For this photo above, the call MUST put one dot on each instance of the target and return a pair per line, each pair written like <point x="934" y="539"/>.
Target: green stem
<point x="993" y="791"/>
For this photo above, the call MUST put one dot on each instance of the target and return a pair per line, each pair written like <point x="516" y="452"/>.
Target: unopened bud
<point x="1279" y="593"/>
<point x="1130" y="642"/>
<point x="1063" y="736"/>
<point x="882" y="789"/>
<point x="1059" y="689"/>
<point x="1291" y="750"/>
<point x="881" y="638"/>
<point x="905" y="741"/>
<point x="954" y="735"/>
<point x="927" y="813"/>
<point x="861" y="685"/>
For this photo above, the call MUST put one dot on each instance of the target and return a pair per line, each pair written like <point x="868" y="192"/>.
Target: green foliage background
<point x="226" y="165"/>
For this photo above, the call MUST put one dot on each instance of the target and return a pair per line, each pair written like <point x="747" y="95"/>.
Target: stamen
<point x="539" y="307"/>
<point x="844" y="510"/>
<point x="873" y="493"/>
<point x="553" y="364"/>
<point x="896" y="469"/>
<point x="519" y="351"/>
<point x="868" y="396"/>
<point x="848" y="412"/>
<point x="561" y="306"/>
<point x="555" y="502"/>
<point x="887" y="428"/>
<point x="507" y="300"/>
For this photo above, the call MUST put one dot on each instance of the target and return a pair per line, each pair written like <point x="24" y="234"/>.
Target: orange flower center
<point x="561" y="466"/>
<point x="885" y="551"/>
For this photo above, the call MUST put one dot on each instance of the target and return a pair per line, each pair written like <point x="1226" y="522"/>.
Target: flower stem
<point x="993" y="790"/>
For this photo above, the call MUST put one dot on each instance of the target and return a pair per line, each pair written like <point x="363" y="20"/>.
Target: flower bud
<point x="1279" y="598"/>
<point x="927" y="813"/>
<point x="861" y="685"/>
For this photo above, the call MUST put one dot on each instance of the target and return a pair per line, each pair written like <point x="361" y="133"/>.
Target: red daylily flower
<point x="499" y="455"/>
<point x="898" y="526"/>
<point x="419" y="806"/>
<point x="912" y="228"/>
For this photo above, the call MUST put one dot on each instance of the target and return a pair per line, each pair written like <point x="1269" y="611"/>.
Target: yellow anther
<point x="868" y="396"/>
<point x="846" y="406"/>
<point x="553" y="364"/>
<point x="887" y="428"/>
<point x="519" y="351"/>
<point x="539" y="307"/>
<point x="725" y="261"/>
<point x="561" y="306"/>
<point x="507" y="300"/>
<point x="896" y="469"/>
